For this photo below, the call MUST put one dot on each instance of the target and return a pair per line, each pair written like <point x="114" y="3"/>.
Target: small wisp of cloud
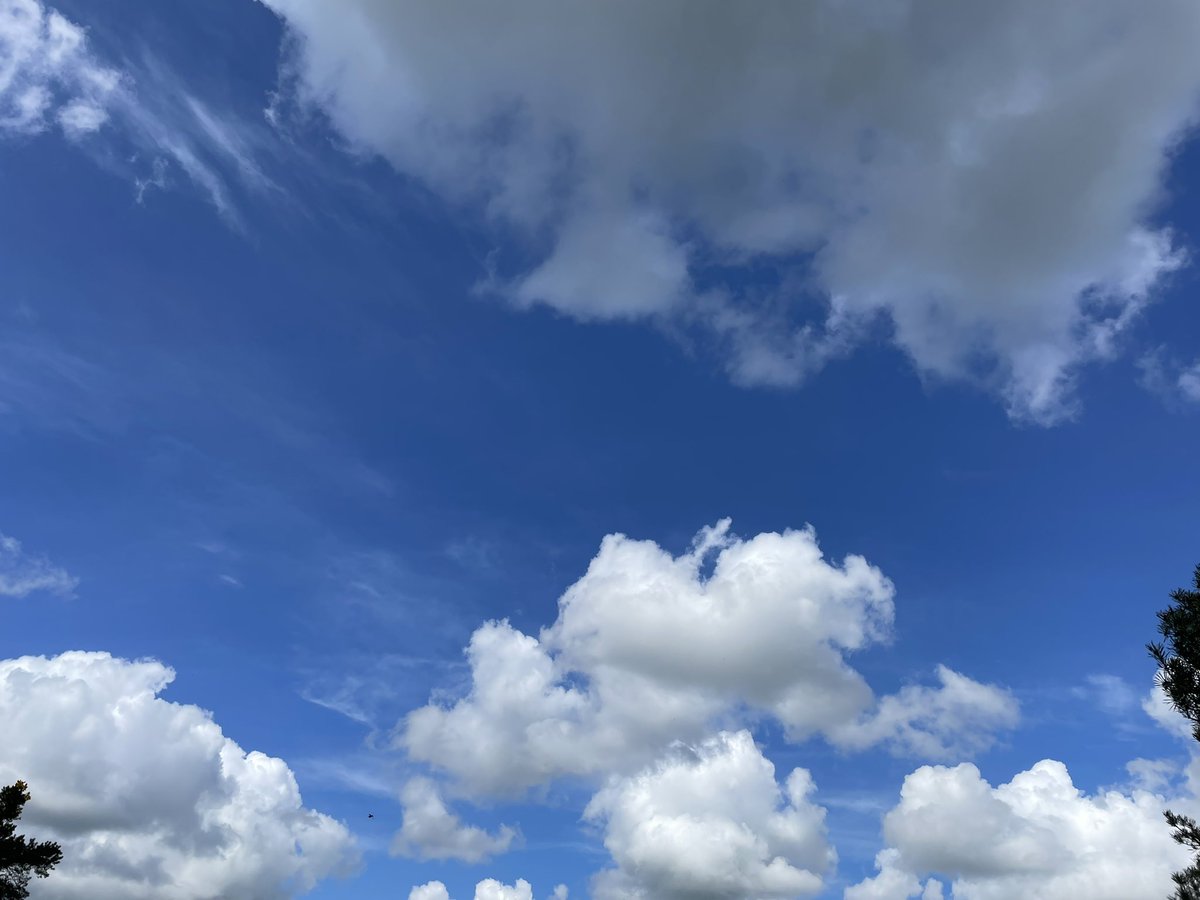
<point x="22" y="574"/>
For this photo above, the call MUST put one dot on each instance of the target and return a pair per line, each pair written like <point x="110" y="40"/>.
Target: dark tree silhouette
<point x="1178" y="658"/>
<point x="21" y="858"/>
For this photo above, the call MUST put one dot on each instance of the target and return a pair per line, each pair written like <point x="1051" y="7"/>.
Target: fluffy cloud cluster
<point x="1036" y="837"/>
<point x="22" y="574"/>
<point x="488" y="889"/>
<point x="431" y="831"/>
<point x="894" y="882"/>
<point x="982" y="175"/>
<point x="957" y="718"/>
<point x="148" y="798"/>
<point x="711" y="821"/>
<point x="649" y="648"/>
<point x="47" y="74"/>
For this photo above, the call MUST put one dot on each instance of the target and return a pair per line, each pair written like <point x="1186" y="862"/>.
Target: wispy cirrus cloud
<point x="51" y="79"/>
<point x="22" y="573"/>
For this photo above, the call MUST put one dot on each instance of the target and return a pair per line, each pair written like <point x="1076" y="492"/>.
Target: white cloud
<point x="22" y="574"/>
<point x="488" y="889"/>
<point x="957" y="718"/>
<point x="1189" y="382"/>
<point x="1111" y="693"/>
<point x="1036" y="837"/>
<point x="80" y="117"/>
<point x="981" y="174"/>
<point x="648" y="648"/>
<point x="1177" y="383"/>
<point x="710" y="821"/>
<point x="1158" y="707"/>
<point x="176" y="131"/>
<point x="50" y="75"/>
<point x="431" y="831"/>
<point x="610" y="265"/>
<point x="148" y="798"/>
<point x="893" y="883"/>
<point x="1152" y="775"/>
<point x="47" y="73"/>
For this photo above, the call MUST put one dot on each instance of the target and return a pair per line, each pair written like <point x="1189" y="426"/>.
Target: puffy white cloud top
<point x="148" y="798"/>
<point x="980" y="174"/>
<point x="710" y="821"/>
<point x="1036" y="837"/>
<point x="648" y="648"/>
<point x="488" y="889"/>
<point x="894" y="883"/>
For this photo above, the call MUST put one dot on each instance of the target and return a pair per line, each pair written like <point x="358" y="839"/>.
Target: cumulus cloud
<point x="710" y="821"/>
<point x="1038" y="836"/>
<point x="148" y="798"/>
<point x="431" y="831"/>
<point x="488" y="889"/>
<point x="649" y="648"/>
<point x="491" y="889"/>
<point x="48" y="75"/>
<point x="981" y="175"/>
<point x="956" y="718"/>
<point x="893" y="883"/>
<point x="22" y="574"/>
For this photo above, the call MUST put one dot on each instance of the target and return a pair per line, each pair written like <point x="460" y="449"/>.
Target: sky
<point x="542" y="450"/>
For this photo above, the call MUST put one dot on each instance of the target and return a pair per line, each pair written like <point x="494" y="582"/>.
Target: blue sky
<point x="327" y="337"/>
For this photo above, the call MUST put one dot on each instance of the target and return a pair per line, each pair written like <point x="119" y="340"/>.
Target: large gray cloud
<point x="981" y="174"/>
<point x="148" y="798"/>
